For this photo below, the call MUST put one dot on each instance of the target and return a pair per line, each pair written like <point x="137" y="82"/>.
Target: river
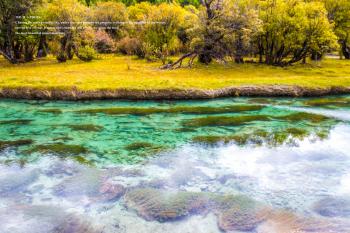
<point x="226" y="165"/>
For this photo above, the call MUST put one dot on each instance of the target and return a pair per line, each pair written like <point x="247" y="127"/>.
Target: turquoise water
<point x="232" y="165"/>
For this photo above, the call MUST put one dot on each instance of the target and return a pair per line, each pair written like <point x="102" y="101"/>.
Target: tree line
<point x="275" y="32"/>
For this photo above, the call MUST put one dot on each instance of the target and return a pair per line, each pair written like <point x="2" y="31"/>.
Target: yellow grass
<point x="113" y="72"/>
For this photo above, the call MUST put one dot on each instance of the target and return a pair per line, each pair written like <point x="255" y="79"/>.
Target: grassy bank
<point x="127" y="73"/>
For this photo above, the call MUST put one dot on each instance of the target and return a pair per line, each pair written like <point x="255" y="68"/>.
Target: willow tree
<point x="339" y="14"/>
<point x="292" y="30"/>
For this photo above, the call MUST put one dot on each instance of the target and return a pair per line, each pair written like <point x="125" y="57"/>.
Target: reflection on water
<point x="232" y="165"/>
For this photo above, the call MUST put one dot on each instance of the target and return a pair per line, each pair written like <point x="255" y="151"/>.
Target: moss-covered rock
<point x="58" y="149"/>
<point x="257" y="137"/>
<point x="297" y="132"/>
<point x="86" y="127"/>
<point x="63" y="138"/>
<point x="224" y="120"/>
<point x="143" y="149"/>
<point x="16" y="143"/>
<point x="216" y="110"/>
<point x="212" y="140"/>
<point x="234" y="212"/>
<point x="173" y="110"/>
<point x="338" y="102"/>
<point x="239" y="213"/>
<point x="82" y="160"/>
<point x="304" y="116"/>
<point x="55" y="111"/>
<point x="240" y="219"/>
<point x="156" y="205"/>
<point x="139" y="146"/>
<point x="16" y="122"/>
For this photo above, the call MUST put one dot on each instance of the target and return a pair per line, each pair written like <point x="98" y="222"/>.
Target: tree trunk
<point x="43" y="47"/>
<point x="239" y="59"/>
<point x="62" y="56"/>
<point x="345" y="49"/>
<point x="28" y="52"/>
<point x="316" y="56"/>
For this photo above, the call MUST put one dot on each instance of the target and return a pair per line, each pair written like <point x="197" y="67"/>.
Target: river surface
<point x="227" y="165"/>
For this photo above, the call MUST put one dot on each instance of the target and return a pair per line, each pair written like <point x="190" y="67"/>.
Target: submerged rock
<point x="55" y="111"/>
<point x="338" y="102"/>
<point x="91" y="183"/>
<point x="139" y="146"/>
<point x="143" y="148"/>
<point x="16" y="182"/>
<point x="58" y="149"/>
<point x="237" y="219"/>
<point x="212" y="140"/>
<point x="258" y="137"/>
<point x="17" y="143"/>
<point x="43" y="219"/>
<point x="224" y="120"/>
<point x="63" y="138"/>
<point x="286" y="222"/>
<point x="156" y="205"/>
<point x="86" y="128"/>
<point x="16" y="122"/>
<point x="233" y="212"/>
<point x="333" y="207"/>
<point x="173" y="110"/>
<point x="304" y="116"/>
<point x="239" y="213"/>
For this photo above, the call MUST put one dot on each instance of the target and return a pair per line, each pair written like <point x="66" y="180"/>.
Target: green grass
<point x="114" y="72"/>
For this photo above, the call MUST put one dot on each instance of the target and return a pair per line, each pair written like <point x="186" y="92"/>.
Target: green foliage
<point x="225" y="28"/>
<point x="293" y="29"/>
<point x="339" y="14"/>
<point x="87" y="53"/>
<point x="113" y="12"/>
<point x="162" y="24"/>
<point x="280" y="32"/>
<point x="73" y="13"/>
<point x="12" y="46"/>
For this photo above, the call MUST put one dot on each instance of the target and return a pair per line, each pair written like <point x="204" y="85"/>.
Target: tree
<point x="11" y="12"/>
<point x="116" y="16"/>
<point x="224" y="28"/>
<point x="158" y="27"/>
<point x="292" y="30"/>
<point x="68" y="16"/>
<point x="339" y="14"/>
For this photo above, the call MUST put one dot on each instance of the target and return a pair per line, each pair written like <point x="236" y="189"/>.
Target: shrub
<point x="61" y="57"/>
<point x="131" y="46"/>
<point x="87" y="37"/>
<point x="87" y="53"/>
<point x="104" y="42"/>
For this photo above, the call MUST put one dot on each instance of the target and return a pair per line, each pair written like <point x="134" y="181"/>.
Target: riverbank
<point x="170" y="94"/>
<point x="120" y="77"/>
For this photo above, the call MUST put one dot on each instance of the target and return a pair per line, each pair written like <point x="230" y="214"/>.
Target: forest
<point x="274" y="32"/>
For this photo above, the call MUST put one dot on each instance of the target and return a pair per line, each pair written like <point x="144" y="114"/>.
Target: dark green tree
<point x="13" y="46"/>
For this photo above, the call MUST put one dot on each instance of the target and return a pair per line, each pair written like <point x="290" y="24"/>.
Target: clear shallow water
<point x="234" y="165"/>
